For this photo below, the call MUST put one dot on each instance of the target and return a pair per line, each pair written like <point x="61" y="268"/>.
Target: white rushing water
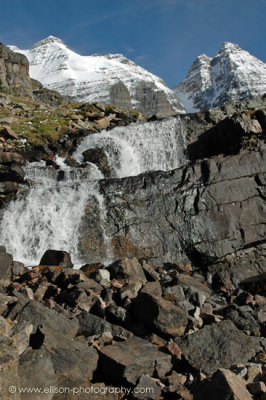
<point x="48" y="215"/>
<point x="139" y="148"/>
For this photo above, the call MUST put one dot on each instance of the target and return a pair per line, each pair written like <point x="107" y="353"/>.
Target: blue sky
<point x="163" y="36"/>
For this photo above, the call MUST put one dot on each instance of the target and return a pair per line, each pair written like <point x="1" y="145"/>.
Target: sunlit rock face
<point x="14" y="73"/>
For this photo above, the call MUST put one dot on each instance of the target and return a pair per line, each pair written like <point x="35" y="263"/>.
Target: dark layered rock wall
<point x="210" y="212"/>
<point x="14" y="73"/>
<point x="205" y="212"/>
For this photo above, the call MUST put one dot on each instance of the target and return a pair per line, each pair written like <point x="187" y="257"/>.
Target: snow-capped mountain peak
<point x="110" y="79"/>
<point x="50" y="39"/>
<point x="232" y="75"/>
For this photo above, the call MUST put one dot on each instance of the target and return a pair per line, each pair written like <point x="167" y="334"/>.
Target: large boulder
<point x="159" y="314"/>
<point x="37" y="314"/>
<point x="217" y="346"/>
<point x="131" y="359"/>
<point x="128" y="269"/>
<point x="57" y="257"/>
<point x="30" y="365"/>
<point x="98" y="157"/>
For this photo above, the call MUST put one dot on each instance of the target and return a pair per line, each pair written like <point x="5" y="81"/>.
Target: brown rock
<point x="8" y="187"/>
<point x="132" y="359"/>
<point x="255" y="284"/>
<point x="31" y="363"/>
<point x="174" y="349"/>
<point x="8" y="370"/>
<point x="224" y="385"/>
<point x="74" y="362"/>
<point x="103" y="123"/>
<point x="90" y="268"/>
<point x="147" y="389"/>
<point x="9" y="158"/>
<point x="6" y="263"/>
<point x="193" y="283"/>
<point x="159" y="314"/>
<point x="129" y="269"/>
<point x="8" y="133"/>
<point x="37" y="314"/>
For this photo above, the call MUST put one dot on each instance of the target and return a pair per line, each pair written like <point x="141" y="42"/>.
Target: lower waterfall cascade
<point x="48" y="213"/>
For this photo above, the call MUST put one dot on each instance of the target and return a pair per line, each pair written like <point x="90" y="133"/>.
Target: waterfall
<point x="49" y="213"/>
<point x="140" y="147"/>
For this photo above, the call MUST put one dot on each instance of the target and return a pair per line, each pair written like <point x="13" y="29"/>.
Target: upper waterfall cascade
<point x="48" y="214"/>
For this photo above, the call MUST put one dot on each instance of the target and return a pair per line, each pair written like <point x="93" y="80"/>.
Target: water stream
<point x="49" y="213"/>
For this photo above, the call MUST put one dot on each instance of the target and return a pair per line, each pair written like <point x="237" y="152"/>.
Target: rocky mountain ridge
<point x="232" y="75"/>
<point x="109" y="79"/>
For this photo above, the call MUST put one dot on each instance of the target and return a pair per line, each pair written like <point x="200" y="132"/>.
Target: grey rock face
<point x="212" y="210"/>
<point x="152" y="101"/>
<point x="201" y="212"/>
<point x="120" y="96"/>
<point x="14" y="73"/>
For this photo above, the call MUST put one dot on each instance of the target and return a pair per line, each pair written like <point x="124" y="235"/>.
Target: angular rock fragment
<point x="90" y="325"/>
<point x="129" y="269"/>
<point x="224" y="385"/>
<point x="74" y="362"/>
<point x="133" y="358"/>
<point x="159" y="314"/>
<point x="147" y="389"/>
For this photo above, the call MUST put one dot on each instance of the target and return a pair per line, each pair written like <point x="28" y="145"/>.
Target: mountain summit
<point x="110" y="79"/>
<point x="232" y="75"/>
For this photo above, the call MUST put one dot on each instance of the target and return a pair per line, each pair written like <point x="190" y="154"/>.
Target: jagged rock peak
<point x="110" y="79"/>
<point x="232" y="75"/>
<point x="229" y="46"/>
